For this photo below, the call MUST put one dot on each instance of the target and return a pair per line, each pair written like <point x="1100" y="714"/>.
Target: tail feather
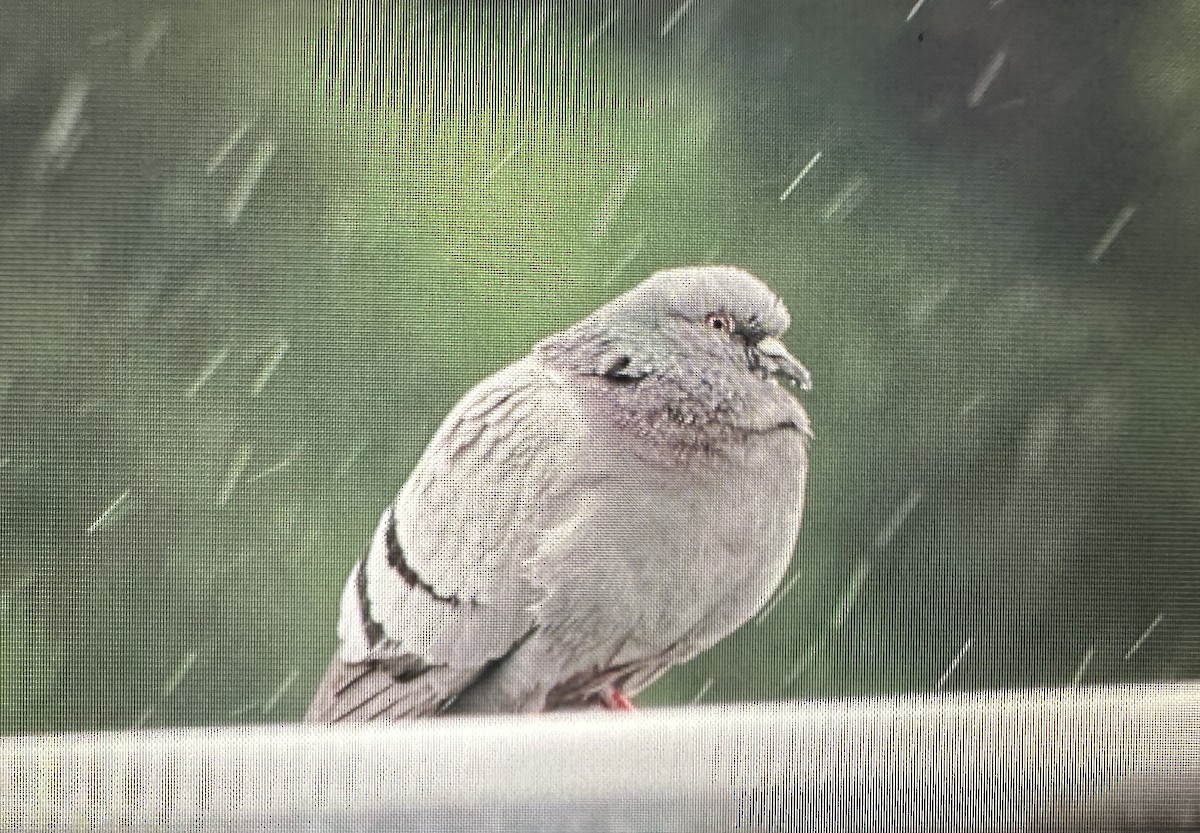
<point x="363" y="692"/>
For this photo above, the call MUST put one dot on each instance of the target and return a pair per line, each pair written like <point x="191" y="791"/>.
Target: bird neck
<point x="594" y="347"/>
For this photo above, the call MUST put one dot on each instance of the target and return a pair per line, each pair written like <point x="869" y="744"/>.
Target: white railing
<point x="1076" y="759"/>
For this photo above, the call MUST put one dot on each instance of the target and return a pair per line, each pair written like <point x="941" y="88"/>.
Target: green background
<point x="250" y="256"/>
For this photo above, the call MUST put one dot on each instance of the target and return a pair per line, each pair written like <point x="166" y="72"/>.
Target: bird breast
<point x="680" y="529"/>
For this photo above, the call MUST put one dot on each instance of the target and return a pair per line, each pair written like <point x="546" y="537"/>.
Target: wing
<point x="444" y="589"/>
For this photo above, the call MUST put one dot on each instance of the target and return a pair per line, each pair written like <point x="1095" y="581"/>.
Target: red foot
<point x="615" y="700"/>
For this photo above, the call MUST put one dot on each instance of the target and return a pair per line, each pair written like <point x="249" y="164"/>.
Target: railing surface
<point x="1076" y="759"/>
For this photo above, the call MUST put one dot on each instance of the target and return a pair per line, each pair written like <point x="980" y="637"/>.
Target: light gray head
<point x="697" y="321"/>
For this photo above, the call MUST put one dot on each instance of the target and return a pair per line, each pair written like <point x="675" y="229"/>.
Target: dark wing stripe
<point x="395" y="560"/>
<point x="351" y="681"/>
<point x="372" y="629"/>
<point x="391" y="704"/>
<point x="383" y="688"/>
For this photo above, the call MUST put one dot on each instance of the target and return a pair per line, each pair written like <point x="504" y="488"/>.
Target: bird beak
<point x="779" y="360"/>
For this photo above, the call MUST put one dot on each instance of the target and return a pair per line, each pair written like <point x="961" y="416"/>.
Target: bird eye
<point x="719" y="321"/>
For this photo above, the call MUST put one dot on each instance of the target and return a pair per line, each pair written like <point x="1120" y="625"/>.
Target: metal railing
<point x="1075" y="759"/>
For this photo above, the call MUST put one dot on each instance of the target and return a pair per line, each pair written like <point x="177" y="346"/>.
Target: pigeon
<point x="609" y="506"/>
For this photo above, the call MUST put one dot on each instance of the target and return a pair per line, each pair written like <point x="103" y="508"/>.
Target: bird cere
<point x="611" y="505"/>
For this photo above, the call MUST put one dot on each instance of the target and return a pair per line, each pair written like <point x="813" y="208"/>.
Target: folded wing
<point x="444" y="589"/>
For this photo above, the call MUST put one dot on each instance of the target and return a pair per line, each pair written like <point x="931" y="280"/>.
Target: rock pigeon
<point x="609" y="506"/>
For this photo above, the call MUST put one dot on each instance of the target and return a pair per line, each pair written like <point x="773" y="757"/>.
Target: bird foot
<point x="616" y="700"/>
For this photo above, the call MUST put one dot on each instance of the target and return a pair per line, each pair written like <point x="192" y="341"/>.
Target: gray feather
<point x="609" y="506"/>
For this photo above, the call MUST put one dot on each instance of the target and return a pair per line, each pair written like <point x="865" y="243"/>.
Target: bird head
<point x="699" y="315"/>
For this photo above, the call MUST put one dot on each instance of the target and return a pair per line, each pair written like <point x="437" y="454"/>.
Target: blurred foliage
<point x="249" y="256"/>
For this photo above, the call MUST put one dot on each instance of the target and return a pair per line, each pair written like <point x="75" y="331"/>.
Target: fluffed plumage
<point x="607" y="507"/>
